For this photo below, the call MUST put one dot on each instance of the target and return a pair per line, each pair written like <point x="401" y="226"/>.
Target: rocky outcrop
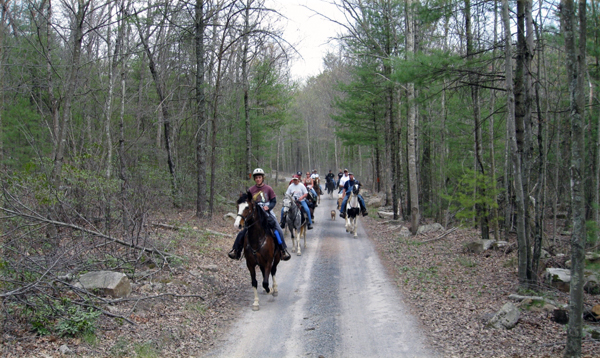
<point x="507" y="317"/>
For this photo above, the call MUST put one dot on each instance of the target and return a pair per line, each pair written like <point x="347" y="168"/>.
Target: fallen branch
<point x="441" y="236"/>
<point x="216" y="233"/>
<point x="170" y="227"/>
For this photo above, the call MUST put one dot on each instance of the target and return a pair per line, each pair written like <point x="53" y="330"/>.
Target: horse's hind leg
<point x="273" y="271"/>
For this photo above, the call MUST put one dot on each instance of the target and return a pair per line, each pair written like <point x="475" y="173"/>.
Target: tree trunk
<point x="415" y="214"/>
<point x="246" y="85"/>
<point x="516" y="158"/>
<point x="199" y="25"/>
<point x="576" y="70"/>
<point x="71" y="85"/>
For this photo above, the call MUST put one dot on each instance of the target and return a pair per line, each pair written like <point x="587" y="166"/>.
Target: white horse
<point x="293" y="220"/>
<point x="352" y="210"/>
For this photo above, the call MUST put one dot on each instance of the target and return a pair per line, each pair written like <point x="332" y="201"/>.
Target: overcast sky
<point x="308" y="31"/>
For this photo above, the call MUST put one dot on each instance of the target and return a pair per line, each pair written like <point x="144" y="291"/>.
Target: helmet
<point x="314" y="170"/>
<point x="258" y="171"/>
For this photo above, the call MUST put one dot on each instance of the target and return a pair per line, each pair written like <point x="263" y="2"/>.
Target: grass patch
<point x="146" y="350"/>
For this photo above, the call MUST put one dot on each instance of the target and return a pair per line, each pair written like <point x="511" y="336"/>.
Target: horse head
<point x="243" y="207"/>
<point x="355" y="189"/>
<point x="287" y="203"/>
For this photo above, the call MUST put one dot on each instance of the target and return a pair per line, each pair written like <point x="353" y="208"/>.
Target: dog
<point x="332" y="214"/>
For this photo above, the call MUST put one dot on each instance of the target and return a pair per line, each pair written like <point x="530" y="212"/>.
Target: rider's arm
<point x="271" y="204"/>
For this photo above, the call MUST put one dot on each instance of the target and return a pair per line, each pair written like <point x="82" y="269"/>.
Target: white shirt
<point x="296" y="190"/>
<point x="344" y="179"/>
<point x="314" y="176"/>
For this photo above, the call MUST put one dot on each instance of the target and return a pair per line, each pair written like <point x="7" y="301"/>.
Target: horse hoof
<point x="299" y="253"/>
<point x="255" y="308"/>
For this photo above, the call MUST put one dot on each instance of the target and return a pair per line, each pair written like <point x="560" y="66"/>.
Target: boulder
<point x="474" y="246"/>
<point x="429" y="228"/>
<point x="500" y="245"/>
<point x="592" y="256"/>
<point x="385" y="214"/>
<point x="115" y="284"/>
<point x="375" y="202"/>
<point x="405" y="232"/>
<point x="488" y="244"/>
<point x="230" y="216"/>
<point x="507" y="317"/>
<point x="591" y="285"/>
<point x="559" y="278"/>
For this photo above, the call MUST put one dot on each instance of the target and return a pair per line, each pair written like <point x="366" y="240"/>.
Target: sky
<point x="308" y="32"/>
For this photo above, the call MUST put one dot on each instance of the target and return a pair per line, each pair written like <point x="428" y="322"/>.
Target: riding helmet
<point x="258" y="171"/>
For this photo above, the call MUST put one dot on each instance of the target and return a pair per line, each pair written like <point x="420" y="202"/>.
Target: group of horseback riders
<point x="264" y="195"/>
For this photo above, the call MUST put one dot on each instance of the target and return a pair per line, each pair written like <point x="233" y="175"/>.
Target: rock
<point x="230" y="216"/>
<point x="474" y="246"/>
<point x="559" y="278"/>
<point x="404" y="232"/>
<point x="593" y="331"/>
<point x="591" y="285"/>
<point x="375" y="202"/>
<point x="64" y="350"/>
<point x="488" y="244"/>
<point x="544" y="254"/>
<point x="501" y="244"/>
<point x="115" y="284"/>
<point x="385" y="214"/>
<point x="507" y="317"/>
<point x="213" y="268"/>
<point x="592" y="256"/>
<point x="429" y="228"/>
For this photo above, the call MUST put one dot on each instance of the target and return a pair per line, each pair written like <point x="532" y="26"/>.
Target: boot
<point x="310" y="227"/>
<point x="282" y="223"/>
<point x="235" y="254"/>
<point x="343" y="215"/>
<point x="284" y="254"/>
<point x="364" y="212"/>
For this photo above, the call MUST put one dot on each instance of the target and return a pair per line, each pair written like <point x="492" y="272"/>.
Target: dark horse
<point x="317" y="187"/>
<point x="259" y="244"/>
<point x="330" y="186"/>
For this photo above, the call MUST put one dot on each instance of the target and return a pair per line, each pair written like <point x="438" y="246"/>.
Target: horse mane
<point x="243" y="198"/>
<point x="261" y="214"/>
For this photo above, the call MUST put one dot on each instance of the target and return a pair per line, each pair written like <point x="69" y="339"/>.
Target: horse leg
<point x="303" y="227"/>
<point x="273" y="272"/>
<point x="354" y="225"/>
<point x="266" y="273"/>
<point x="252" y="268"/>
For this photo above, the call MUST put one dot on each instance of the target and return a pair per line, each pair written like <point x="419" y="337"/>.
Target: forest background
<point x="483" y="114"/>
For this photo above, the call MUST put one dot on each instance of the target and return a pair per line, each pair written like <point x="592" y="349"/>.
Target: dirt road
<point x="334" y="301"/>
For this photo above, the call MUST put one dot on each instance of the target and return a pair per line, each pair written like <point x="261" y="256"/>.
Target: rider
<point x="315" y="176"/>
<point x="343" y="179"/>
<point x="262" y="194"/>
<point x="329" y="176"/>
<point x="298" y="190"/>
<point x="310" y="185"/>
<point x="347" y="190"/>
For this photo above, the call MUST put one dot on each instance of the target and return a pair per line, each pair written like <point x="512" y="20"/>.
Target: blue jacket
<point x="349" y="184"/>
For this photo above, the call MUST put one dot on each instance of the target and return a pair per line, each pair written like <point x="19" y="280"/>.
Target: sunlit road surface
<point x="335" y="300"/>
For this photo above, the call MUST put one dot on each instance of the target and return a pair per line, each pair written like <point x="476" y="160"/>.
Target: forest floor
<point x="182" y="310"/>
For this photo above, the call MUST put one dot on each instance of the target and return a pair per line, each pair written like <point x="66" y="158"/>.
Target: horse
<point x="317" y="187"/>
<point x="330" y="186"/>
<point x="295" y="222"/>
<point x="259" y="244"/>
<point x="352" y="210"/>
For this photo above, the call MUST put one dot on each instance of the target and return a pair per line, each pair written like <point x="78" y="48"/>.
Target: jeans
<point x="272" y="220"/>
<point x="361" y="201"/>
<point x="306" y="210"/>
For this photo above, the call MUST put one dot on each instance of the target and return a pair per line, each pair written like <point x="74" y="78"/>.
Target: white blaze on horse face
<point x="238" y="219"/>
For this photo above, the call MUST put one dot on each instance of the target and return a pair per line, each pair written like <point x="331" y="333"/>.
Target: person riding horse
<point x="347" y="190"/>
<point x="310" y="186"/>
<point x="329" y="176"/>
<point x="265" y="196"/>
<point x="298" y="190"/>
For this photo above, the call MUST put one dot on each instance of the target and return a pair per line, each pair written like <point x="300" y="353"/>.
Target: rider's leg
<point x="307" y="211"/>
<point x="343" y="208"/>
<point x="282" y="219"/>
<point x="278" y="235"/>
<point x="363" y="206"/>
<point x="236" y="251"/>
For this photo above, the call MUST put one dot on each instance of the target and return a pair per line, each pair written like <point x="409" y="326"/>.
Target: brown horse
<point x="317" y="187"/>
<point x="259" y="244"/>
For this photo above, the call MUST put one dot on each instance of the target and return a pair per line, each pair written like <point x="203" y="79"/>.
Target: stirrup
<point x="285" y="255"/>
